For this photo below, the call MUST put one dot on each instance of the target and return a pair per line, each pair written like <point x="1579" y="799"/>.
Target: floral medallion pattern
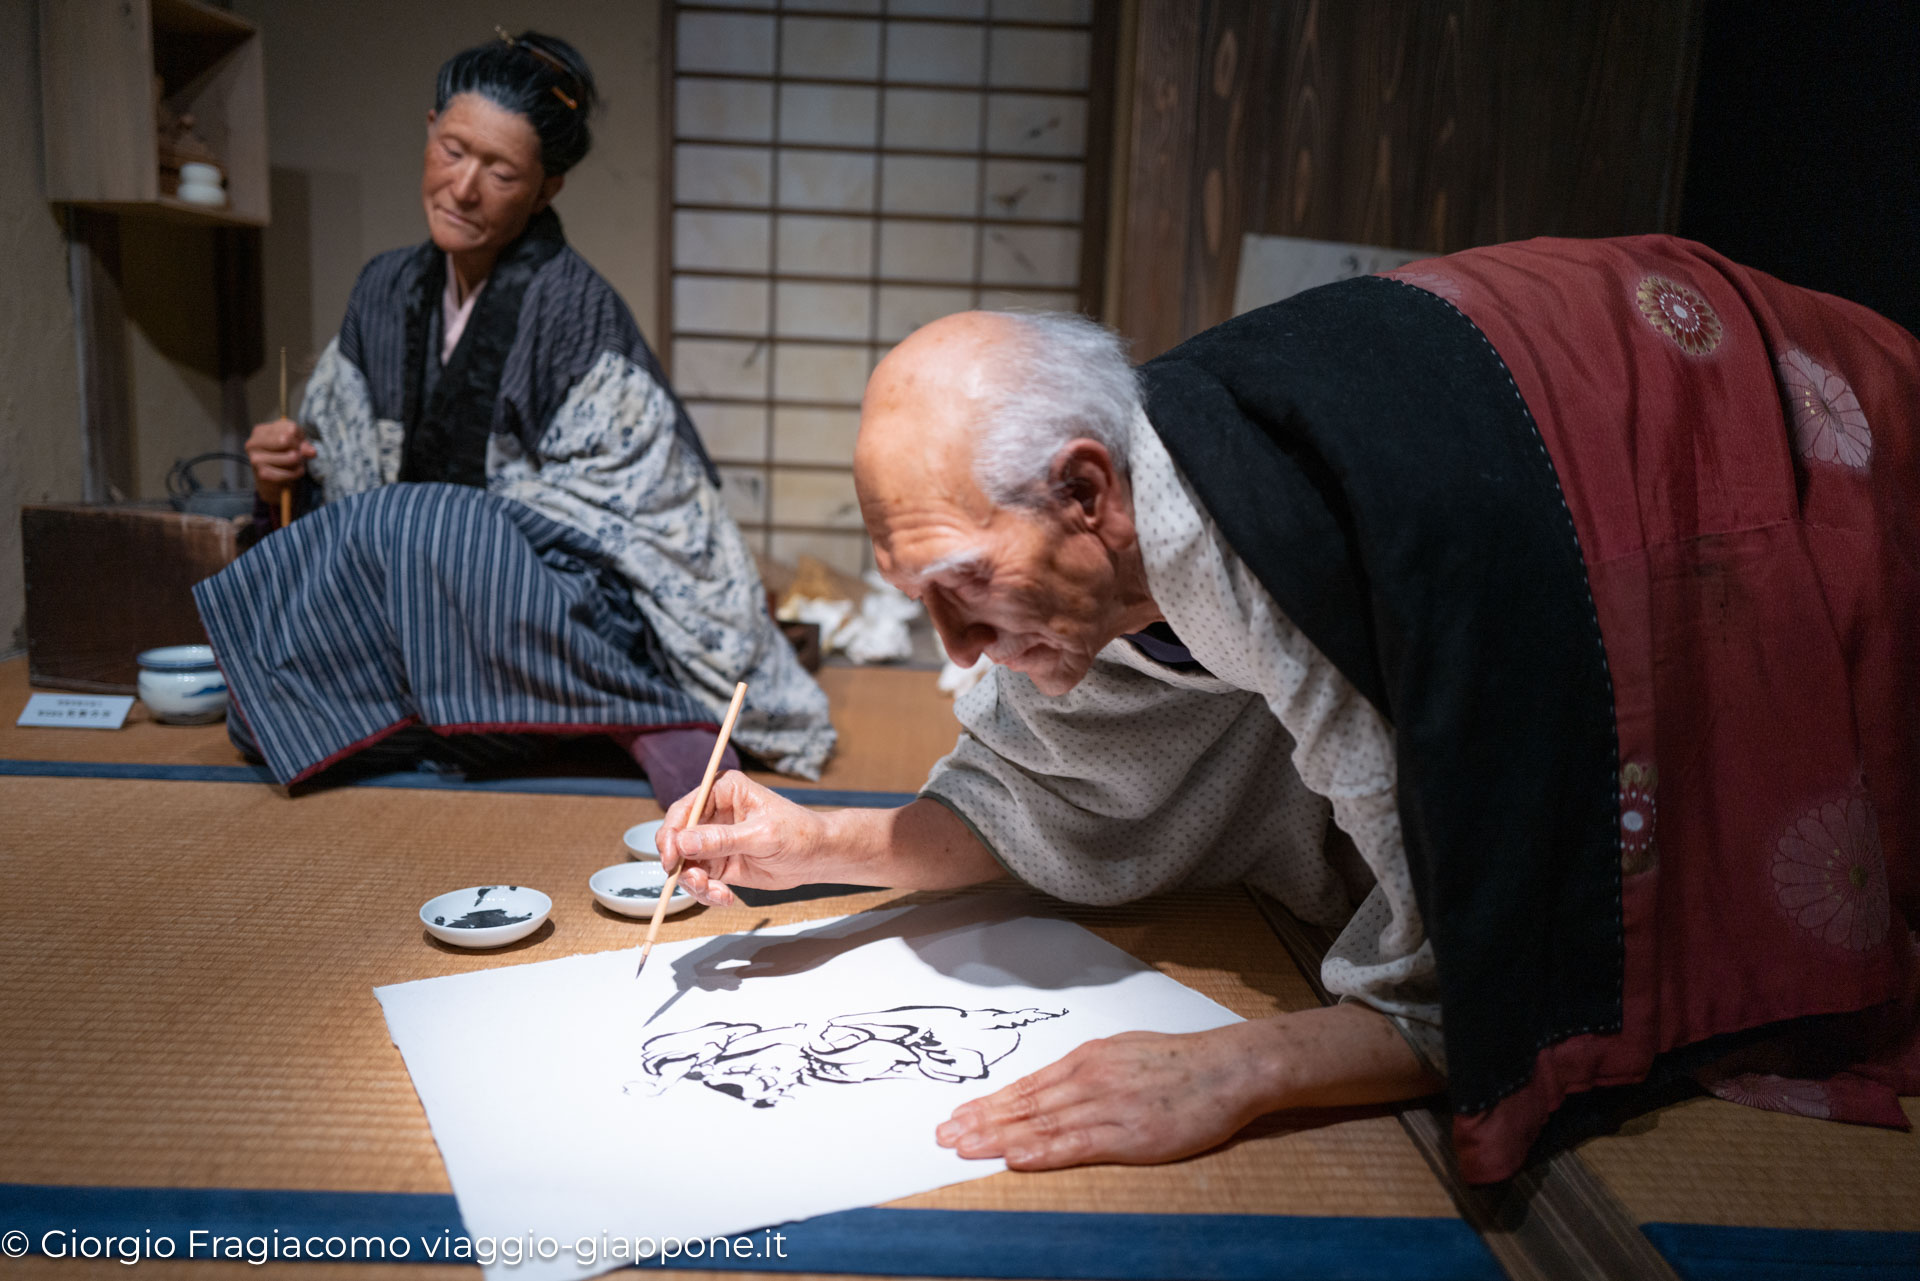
<point x="1828" y="424"/>
<point x="1829" y="875"/>
<point x="1680" y="314"/>
<point x="1637" y="815"/>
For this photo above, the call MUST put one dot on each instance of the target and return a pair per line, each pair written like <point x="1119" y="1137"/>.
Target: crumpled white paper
<point x="876" y="632"/>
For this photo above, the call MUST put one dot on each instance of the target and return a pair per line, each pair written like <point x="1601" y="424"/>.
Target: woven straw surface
<point x="186" y="971"/>
<point x="1709" y="1161"/>
<point x="893" y="725"/>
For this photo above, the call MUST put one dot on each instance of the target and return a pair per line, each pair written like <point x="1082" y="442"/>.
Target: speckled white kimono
<point x="1145" y="778"/>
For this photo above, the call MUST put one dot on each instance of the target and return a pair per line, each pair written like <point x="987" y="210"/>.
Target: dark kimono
<point x="1620" y="538"/>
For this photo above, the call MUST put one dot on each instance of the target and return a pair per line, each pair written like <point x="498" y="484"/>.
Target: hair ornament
<point x="541" y="55"/>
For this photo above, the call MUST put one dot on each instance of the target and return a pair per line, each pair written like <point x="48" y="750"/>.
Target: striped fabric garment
<point x="434" y="605"/>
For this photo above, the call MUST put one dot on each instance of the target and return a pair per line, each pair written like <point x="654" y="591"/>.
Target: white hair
<point x="1059" y="378"/>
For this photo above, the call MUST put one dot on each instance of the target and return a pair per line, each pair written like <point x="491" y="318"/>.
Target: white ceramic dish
<point x="485" y="915"/>
<point x="200" y="184"/>
<point x="632" y="889"/>
<point x="181" y="684"/>
<point x="639" y="840"/>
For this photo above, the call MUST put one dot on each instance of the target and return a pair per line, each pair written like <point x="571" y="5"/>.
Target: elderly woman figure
<point x="1576" y="582"/>
<point x="514" y="530"/>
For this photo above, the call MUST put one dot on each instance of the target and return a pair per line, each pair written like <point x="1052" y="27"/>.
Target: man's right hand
<point x="279" y="453"/>
<point x="752" y="836"/>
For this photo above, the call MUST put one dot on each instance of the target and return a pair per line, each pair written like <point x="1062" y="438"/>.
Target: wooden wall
<point x="1416" y="124"/>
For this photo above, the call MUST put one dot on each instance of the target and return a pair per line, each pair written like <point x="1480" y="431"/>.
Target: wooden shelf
<point x="98" y="59"/>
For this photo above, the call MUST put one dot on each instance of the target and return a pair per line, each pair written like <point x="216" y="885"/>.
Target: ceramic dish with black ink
<point x="632" y="889"/>
<point x="639" y="840"/>
<point x="485" y="915"/>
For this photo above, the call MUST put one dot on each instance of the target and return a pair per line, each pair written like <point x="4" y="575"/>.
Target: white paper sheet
<point x="1276" y="267"/>
<point x="749" y="1080"/>
<point x="77" y="711"/>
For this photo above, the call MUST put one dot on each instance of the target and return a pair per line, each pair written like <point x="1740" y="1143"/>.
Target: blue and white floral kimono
<point x="528" y="537"/>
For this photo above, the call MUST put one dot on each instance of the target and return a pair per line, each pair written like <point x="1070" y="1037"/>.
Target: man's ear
<point x="548" y="190"/>
<point x="1084" y="482"/>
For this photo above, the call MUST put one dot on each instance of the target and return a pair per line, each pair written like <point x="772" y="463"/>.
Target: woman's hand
<point x="1138" y="1099"/>
<point x="751" y="836"/>
<point x="279" y="452"/>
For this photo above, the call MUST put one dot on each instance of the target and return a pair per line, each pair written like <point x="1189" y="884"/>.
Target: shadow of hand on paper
<point x="946" y="934"/>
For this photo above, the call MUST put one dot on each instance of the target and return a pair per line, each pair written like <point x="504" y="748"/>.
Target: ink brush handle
<point x="286" y="495"/>
<point x="694" y="816"/>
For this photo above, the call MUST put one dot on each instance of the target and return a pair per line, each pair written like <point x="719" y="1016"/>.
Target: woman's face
<point x="482" y="179"/>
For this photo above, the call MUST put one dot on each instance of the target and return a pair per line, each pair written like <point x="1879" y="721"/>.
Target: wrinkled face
<point x="482" y="179"/>
<point x="1021" y="588"/>
<point x="1036" y="589"/>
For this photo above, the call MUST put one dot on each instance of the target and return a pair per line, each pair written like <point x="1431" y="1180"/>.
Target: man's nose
<point x="965" y="641"/>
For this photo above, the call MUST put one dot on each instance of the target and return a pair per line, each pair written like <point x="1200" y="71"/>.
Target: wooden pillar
<point x="1194" y="116"/>
<point x="100" y="340"/>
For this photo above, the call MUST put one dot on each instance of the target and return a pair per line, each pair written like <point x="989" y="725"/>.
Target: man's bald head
<point x="922" y="410"/>
<point x="980" y="404"/>
<point x="991" y="469"/>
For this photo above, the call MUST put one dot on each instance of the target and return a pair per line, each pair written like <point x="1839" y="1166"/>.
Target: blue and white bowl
<point x="181" y="685"/>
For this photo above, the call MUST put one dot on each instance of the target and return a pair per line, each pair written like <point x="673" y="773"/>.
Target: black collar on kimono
<point x="446" y="431"/>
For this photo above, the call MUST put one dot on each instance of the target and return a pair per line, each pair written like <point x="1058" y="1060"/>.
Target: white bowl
<point x="639" y="840"/>
<point x="485" y="915"/>
<point x="632" y="889"/>
<point x="180" y="684"/>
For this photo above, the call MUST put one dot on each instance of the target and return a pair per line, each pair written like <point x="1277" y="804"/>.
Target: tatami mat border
<point x="540" y="785"/>
<point x="1705" y="1252"/>
<point x="977" y="1243"/>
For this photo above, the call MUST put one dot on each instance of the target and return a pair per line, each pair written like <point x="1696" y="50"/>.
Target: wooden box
<point x="98" y="60"/>
<point x="104" y="583"/>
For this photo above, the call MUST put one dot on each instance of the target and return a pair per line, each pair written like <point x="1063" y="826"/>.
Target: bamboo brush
<point x="693" y="819"/>
<point x="286" y="495"/>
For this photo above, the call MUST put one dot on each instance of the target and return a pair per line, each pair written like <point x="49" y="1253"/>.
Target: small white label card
<point x="77" y="711"/>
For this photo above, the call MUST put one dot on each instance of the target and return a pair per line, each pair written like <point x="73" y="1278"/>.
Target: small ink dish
<point x="632" y="889"/>
<point x="639" y="840"/>
<point x="485" y="915"/>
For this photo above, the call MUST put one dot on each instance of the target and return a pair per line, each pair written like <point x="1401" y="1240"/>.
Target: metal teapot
<point x="188" y="495"/>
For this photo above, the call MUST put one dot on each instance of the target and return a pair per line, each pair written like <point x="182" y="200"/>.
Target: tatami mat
<point x="188" y="971"/>
<point x="893" y="724"/>
<point x="1709" y="1161"/>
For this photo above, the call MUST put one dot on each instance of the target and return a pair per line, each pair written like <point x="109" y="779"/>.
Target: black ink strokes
<point x="484" y="919"/>
<point x="638" y="891"/>
<point x="764" y="1066"/>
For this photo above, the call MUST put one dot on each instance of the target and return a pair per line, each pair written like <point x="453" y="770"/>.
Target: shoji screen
<point x="842" y="173"/>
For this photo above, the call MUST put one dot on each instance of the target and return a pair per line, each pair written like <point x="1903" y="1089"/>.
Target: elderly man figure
<point x="1576" y="582"/>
